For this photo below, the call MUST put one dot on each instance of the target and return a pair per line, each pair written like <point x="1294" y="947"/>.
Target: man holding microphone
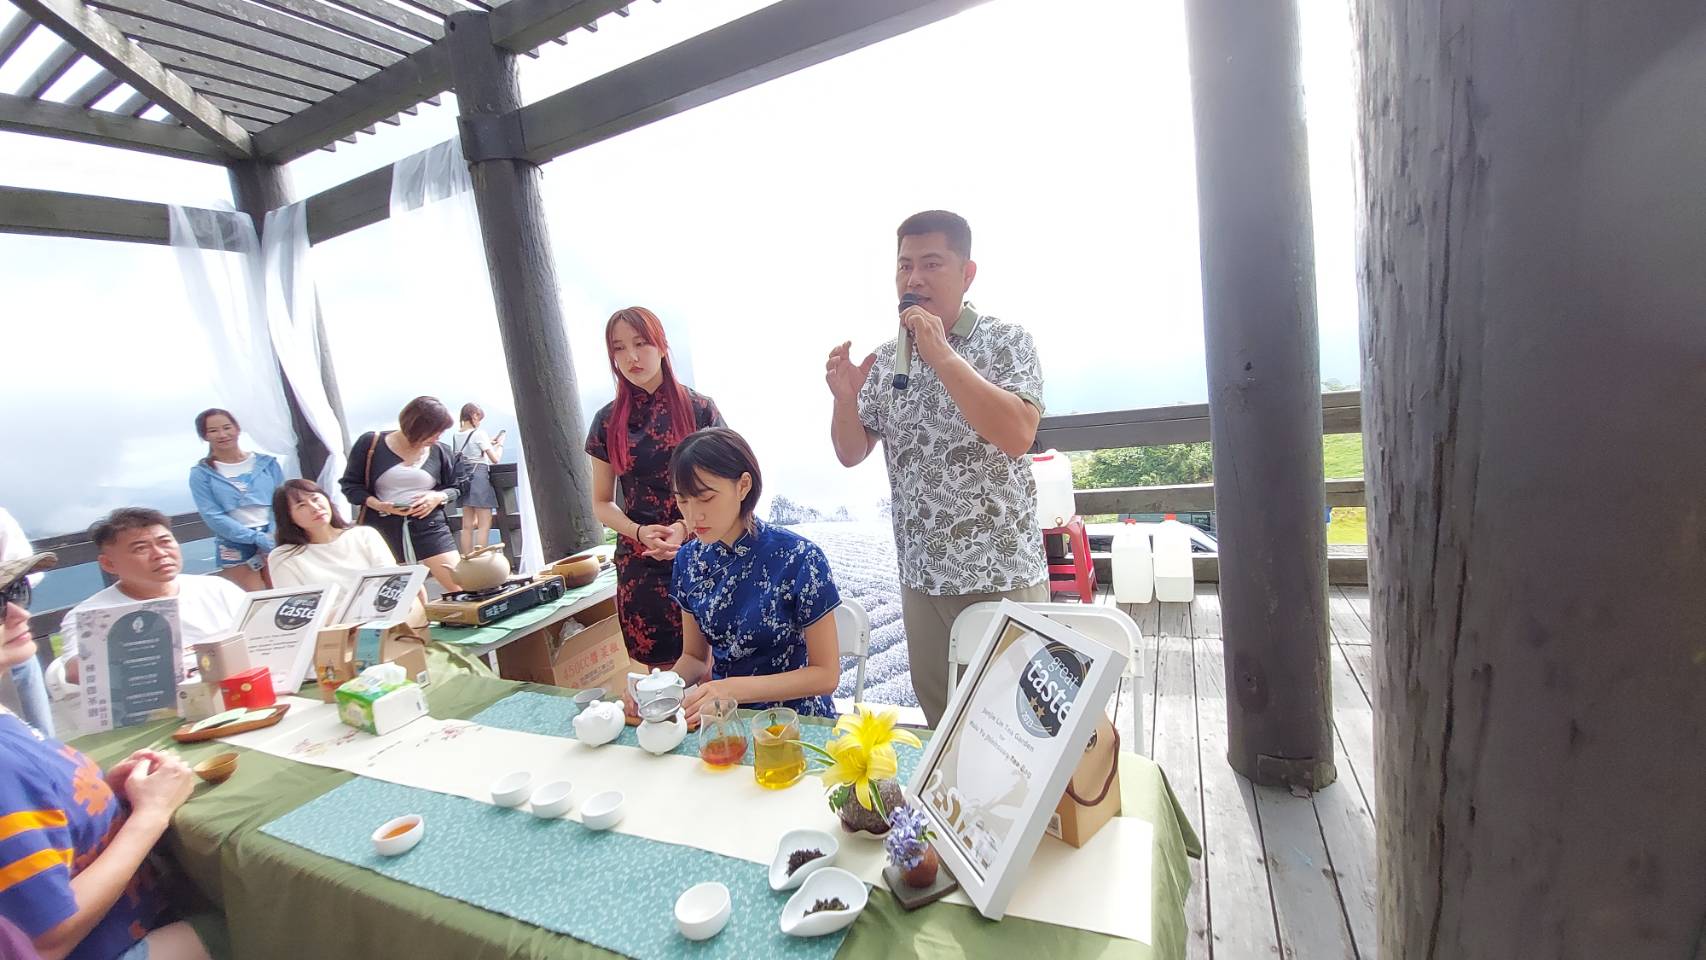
<point x="955" y="399"/>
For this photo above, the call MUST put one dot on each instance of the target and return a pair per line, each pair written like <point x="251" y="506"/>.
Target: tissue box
<point x="379" y="707"/>
<point x="198" y="700"/>
<point x="342" y="651"/>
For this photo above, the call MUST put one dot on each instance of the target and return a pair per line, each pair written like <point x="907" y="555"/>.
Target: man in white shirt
<point x="138" y="548"/>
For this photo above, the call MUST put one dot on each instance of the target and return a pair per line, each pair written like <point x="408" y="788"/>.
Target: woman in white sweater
<point x="317" y="546"/>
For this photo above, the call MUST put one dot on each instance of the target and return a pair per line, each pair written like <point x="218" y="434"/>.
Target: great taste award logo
<point x="296" y="612"/>
<point x="1049" y="687"/>
<point x="390" y="593"/>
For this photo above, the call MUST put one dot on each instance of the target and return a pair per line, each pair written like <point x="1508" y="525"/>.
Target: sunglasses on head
<point x="18" y="592"/>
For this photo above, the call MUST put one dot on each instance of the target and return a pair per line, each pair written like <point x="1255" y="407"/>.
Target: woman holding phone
<point x="400" y="480"/>
<point x="471" y="444"/>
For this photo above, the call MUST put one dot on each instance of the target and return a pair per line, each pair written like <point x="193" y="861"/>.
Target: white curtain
<point x="218" y="258"/>
<point x="292" y="316"/>
<point x="431" y="191"/>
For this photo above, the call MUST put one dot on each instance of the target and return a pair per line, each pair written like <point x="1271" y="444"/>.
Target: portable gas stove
<point x="476" y="608"/>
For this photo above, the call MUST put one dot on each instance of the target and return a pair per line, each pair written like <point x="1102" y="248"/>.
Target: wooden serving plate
<point x="183" y="734"/>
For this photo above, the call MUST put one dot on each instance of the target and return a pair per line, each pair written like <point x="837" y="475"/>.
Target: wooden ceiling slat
<point x="237" y="108"/>
<point x="184" y="62"/>
<point x="134" y="105"/>
<point x="270" y="19"/>
<point x="247" y="94"/>
<point x="268" y="42"/>
<point x="427" y="28"/>
<point x="67" y="122"/>
<point x="48" y="72"/>
<point x="339" y="18"/>
<point x="13" y="35"/>
<point x="95" y="88"/>
<point x="162" y="34"/>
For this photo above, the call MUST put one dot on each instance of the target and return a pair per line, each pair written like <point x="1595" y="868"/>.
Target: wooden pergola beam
<point x="66" y="122"/>
<point x="778" y="40"/>
<point x="51" y="213"/>
<point x="102" y="42"/>
<point x="517" y="26"/>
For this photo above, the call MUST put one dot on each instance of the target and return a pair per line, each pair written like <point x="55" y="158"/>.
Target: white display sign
<point x="1014" y="732"/>
<point x="280" y="629"/>
<point x="384" y="593"/>
<point x="130" y="657"/>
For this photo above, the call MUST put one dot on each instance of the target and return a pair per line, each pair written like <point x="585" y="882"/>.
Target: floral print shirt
<point x="964" y="512"/>
<point x="754" y="601"/>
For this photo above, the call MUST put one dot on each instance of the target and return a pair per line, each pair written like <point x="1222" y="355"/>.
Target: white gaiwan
<point x="599" y="723"/>
<point x="663" y="725"/>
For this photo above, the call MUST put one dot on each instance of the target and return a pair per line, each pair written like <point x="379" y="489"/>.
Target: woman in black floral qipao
<point x="631" y="440"/>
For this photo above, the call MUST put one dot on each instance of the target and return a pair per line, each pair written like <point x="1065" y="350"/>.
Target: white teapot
<point x="657" y="685"/>
<point x="599" y="723"/>
<point x="663" y="725"/>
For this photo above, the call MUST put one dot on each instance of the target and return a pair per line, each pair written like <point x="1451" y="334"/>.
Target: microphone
<point x="903" y="345"/>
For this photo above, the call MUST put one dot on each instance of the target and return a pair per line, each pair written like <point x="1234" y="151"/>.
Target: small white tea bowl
<point x="512" y="788"/>
<point x="387" y="845"/>
<point x="552" y="800"/>
<point x="602" y="811"/>
<point x="702" y="911"/>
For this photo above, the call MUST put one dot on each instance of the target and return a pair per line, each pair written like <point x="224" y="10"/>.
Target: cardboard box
<point x="1092" y="796"/>
<point x="222" y="656"/>
<point x="343" y="650"/>
<point x="379" y="708"/>
<point x="567" y="655"/>
<point x="198" y="700"/>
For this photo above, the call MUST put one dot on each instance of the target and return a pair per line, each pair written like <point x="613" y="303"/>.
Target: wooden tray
<point x="183" y="734"/>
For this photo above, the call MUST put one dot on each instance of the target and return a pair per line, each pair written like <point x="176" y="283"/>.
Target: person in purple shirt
<point x="73" y="841"/>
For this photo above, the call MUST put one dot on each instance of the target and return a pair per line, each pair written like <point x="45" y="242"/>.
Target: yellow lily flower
<point x="863" y="752"/>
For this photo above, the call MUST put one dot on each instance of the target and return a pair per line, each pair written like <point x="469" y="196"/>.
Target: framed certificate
<point x="1013" y="734"/>
<point x="129" y="661"/>
<point x="280" y="628"/>
<point x="384" y="593"/>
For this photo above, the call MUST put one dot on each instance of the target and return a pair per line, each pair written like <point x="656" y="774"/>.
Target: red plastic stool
<point x="1074" y="569"/>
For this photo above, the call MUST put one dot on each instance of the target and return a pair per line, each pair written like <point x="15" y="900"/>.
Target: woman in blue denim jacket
<point x="233" y="493"/>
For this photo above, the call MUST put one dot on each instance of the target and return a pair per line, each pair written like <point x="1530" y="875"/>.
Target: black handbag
<point x="462" y="469"/>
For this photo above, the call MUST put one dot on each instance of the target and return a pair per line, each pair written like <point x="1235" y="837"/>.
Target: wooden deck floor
<point x="1282" y="876"/>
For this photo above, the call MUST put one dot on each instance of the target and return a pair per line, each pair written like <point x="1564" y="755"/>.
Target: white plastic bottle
<point x="1053" y="474"/>
<point x="1175" y="576"/>
<point x="1134" y="565"/>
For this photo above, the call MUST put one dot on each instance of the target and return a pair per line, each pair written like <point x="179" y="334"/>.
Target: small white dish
<point x="702" y="911"/>
<point x="389" y="842"/>
<point x="512" y="789"/>
<point x="602" y="811"/>
<point x="588" y="695"/>
<point x="552" y="800"/>
<point x="831" y="883"/>
<point x="794" y="840"/>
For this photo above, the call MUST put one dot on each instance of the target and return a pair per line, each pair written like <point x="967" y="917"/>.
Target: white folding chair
<point x="853" y="630"/>
<point x="1109" y="625"/>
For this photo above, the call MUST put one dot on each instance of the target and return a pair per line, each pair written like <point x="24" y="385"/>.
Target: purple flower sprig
<point x="909" y="836"/>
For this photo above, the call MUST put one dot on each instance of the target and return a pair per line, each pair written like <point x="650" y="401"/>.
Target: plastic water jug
<point x="1134" y="565"/>
<point x="1053" y="473"/>
<point x="1175" y="576"/>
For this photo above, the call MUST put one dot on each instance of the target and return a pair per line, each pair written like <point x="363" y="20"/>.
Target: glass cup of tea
<point x="778" y="760"/>
<point x="722" y="733"/>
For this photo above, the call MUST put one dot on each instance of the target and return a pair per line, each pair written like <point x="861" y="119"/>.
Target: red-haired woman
<point x="631" y="440"/>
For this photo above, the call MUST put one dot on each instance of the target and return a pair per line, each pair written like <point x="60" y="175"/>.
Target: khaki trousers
<point x="928" y="621"/>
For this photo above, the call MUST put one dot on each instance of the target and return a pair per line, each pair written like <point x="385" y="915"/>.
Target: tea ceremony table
<point x="281" y="900"/>
<point x="487" y="640"/>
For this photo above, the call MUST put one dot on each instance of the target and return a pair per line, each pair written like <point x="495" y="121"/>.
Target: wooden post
<point x="259" y="186"/>
<point x="1264" y="364"/>
<point x="524" y="288"/>
<point x="1535" y="319"/>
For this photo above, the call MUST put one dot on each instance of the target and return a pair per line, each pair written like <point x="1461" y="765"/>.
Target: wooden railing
<point x="74" y="549"/>
<point x="1341" y="412"/>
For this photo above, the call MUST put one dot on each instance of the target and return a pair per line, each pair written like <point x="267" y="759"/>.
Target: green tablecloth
<point x="285" y="902"/>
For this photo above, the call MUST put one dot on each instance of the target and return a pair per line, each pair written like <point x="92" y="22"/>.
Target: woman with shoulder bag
<point x="400" y="481"/>
<point x="475" y="453"/>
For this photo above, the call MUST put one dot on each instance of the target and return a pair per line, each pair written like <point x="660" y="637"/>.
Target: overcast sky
<point x="760" y="228"/>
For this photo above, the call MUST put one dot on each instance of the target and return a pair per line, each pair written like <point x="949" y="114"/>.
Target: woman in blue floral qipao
<point x="756" y="599"/>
